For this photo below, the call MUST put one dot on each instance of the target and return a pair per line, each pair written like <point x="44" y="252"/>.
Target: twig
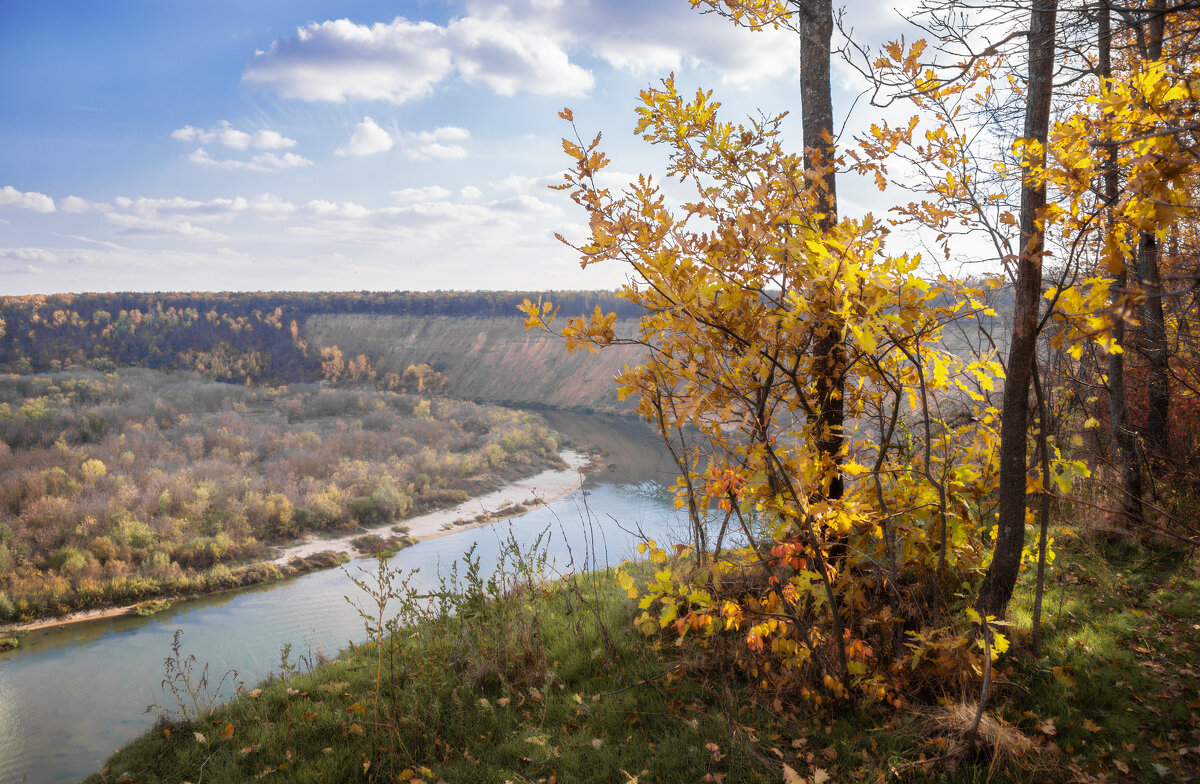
<point x="645" y="682"/>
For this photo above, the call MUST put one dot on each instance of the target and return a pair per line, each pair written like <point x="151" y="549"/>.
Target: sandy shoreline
<point x="548" y="486"/>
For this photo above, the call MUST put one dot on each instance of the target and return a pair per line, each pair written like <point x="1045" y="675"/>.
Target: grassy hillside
<point x="528" y="682"/>
<point x="487" y="359"/>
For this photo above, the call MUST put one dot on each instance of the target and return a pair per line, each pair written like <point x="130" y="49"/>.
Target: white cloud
<point x="446" y="133"/>
<point x="441" y="152"/>
<point x="74" y="204"/>
<point x="509" y="58"/>
<point x="427" y="145"/>
<point x="228" y="136"/>
<point x="470" y="193"/>
<point x="651" y="38"/>
<point x="33" y="254"/>
<point x="158" y="227"/>
<point x="266" y="162"/>
<point x="31" y="200"/>
<point x="428" y="193"/>
<point x="400" y="61"/>
<point x="368" y="139"/>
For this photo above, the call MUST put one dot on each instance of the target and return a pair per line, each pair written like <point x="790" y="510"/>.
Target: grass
<point x="507" y="679"/>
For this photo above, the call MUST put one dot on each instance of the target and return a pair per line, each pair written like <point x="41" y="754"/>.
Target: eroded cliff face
<point x="484" y="359"/>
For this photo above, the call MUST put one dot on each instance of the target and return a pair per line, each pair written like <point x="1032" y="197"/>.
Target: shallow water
<point x="70" y="696"/>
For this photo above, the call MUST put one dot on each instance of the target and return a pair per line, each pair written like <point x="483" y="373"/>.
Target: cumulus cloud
<point x="441" y="152"/>
<point x="428" y="193"/>
<point x="266" y="162"/>
<point x="470" y="193"/>
<point x="138" y="225"/>
<point x="651" y="38"/>
<point x="30" y="200"/>
<point x="368" y="139"/>
<point x="400" y="61"/>
<point x="74" y="204"/>
<point x="228" y="136"/>
<point x="428" y="145"/>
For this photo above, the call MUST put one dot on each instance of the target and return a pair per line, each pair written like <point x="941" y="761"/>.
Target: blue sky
<point x="155" y="145"/>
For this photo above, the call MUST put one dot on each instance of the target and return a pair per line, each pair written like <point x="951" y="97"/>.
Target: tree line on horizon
<point x="250" y="337"/>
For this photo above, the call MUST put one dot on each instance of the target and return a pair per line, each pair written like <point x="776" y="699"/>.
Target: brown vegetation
<point x="119" y="487"/>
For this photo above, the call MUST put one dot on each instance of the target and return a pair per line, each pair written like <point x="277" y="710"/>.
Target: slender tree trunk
<point x="1123" y="436"/>
<point x="816" y="34"/>
<point x="1155" y="343"/>
<point x="1153" y="324"/>
<point x="1043" y="450"/>
<point x="1001" y="576"/>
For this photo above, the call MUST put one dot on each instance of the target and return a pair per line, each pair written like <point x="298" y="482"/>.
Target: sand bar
<point x="547" y="486"/>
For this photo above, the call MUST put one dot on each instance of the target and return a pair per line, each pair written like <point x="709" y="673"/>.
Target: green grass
<point x="552" y="684"/>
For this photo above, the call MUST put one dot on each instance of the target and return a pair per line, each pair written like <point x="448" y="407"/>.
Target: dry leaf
<point x="820" y="776"/>
<point x="227" y="733"/>
<point x="790" y="776"/>
<point x="199" y="737"/>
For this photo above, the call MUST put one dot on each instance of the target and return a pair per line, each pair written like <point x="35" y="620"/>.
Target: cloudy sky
<point x="310" y="144"/>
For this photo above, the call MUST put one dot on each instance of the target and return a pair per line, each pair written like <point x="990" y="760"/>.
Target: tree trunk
<point x="1153" y="324"/>
<point x="1001" y="576"/>
<point x="816" y="33"/>
<point x="1155" y="345"/>
<point x="1123" y="436"/>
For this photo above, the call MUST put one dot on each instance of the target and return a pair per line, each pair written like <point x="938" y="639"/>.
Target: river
<point x="70" y="696"/>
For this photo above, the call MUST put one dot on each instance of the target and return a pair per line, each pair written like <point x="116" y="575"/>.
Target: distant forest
<point x="240" y="337"/>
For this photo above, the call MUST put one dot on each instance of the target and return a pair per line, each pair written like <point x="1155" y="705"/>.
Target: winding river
<point x="70" y="696"/>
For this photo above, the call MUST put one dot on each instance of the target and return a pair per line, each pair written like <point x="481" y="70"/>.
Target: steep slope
<point x="485" y="359"/>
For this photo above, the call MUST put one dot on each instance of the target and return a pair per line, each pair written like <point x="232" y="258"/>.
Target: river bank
<point x="315" y="553"/>
<point x="486" y="509"/>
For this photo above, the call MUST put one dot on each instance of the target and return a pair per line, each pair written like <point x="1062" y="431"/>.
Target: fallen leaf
<point x="597" y="742"/>
<point x="790" y="776"/>
<point x="1091" y="726"/>
<point x="254" y="693"/>
<point x="199" y="737"/>
<point x="820" y="776"/>
<point x="227" y="733"/>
